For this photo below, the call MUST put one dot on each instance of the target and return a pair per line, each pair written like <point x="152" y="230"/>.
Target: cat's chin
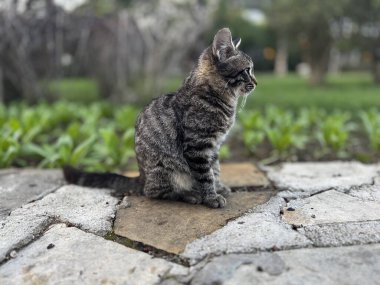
<point x="245" y="94"/>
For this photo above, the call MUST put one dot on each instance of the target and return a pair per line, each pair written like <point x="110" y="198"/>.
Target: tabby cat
<point x="178" y="135"/>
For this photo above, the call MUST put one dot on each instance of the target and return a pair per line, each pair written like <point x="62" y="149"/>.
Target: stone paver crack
<point x="324" y="227"/>
<point x="91" y="210"/>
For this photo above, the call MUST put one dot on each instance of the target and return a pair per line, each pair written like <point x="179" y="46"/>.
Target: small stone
<point x="275" y="248"/>
<point x="290" y="209"/>
<point x="124" y="203"/>
<point x="313" y="216"/>
<point x="50" y="246"/>
<point x="13" y="254"/>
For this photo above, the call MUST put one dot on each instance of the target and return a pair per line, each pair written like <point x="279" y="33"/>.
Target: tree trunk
<point x="376" y="63"/>
<point x="1" y="85"/>
<point x="281" y="60"/>
<point x="317" y="74"/>
<point x="376" y="72"/>
<point x="319" y="61"/>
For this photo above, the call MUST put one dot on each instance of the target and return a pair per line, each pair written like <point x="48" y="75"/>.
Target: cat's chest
<point x="221" y="136"/>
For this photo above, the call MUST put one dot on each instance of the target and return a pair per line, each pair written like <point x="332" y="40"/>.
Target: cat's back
<point x="157" y="124"/>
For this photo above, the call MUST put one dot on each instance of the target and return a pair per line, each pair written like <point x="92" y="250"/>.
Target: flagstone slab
<point x="235" y="175"/>
<point x="19" y="187"/>
<point x="67" y="255"/>
<point x="342" y="234"/>
<point x="370" y="193"/>
<point x="242" y="175"/>
<point x="260" y="230"/>
<point x="170" y="226"/>
<point x="19" y="230"/>
<point x="349" y="265"/>
<point x="92" y="210"/>
<point x="314" y="177"/>
<point x="330" y="207"/>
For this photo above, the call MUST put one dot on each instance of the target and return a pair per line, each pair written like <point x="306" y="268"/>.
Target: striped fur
<point x="178" y="135"/>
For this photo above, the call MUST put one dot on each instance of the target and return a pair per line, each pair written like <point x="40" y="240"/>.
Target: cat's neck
<point x="204" y="75"/>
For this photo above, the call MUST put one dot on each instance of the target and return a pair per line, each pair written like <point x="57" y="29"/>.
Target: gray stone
<point x="90" y="209"/>
<point x="18" y="187"/>
<point x="340" y="234"/>
<point x="223" y="268"/>
<point x="369" y="193"/>
<point x="77" y="257"/>
<point x="261" y="230"/>
<point x="19" y="230"/>
<point x="330" y="207"/>
<point x="330" y="266"/>
<point x="314" y="177"/>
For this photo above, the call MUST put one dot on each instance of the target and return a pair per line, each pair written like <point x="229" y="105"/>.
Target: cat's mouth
<point x="252" y="85"/>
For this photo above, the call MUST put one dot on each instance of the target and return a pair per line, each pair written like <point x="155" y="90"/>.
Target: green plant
<point x="371" y="123"/>
<point x="286" y="131"/>
<point x="334" y="132"/>
<point x="253" y="129"/>
<point x="224" y="152"/>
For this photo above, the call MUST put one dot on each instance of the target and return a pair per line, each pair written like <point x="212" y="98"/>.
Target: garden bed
<point x="100" y="136"/>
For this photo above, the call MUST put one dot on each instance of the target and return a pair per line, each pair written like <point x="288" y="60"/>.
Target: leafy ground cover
<point x="97" y="136"/>
<point x="100" y="136"/>
<point x="285" y="119"/>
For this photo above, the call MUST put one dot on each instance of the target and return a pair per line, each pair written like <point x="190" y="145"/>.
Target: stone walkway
<point x="311" y="223"/>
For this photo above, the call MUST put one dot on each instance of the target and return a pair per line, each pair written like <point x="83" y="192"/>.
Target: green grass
<point x="346" y="91"/>
<point x="74" y="89"/>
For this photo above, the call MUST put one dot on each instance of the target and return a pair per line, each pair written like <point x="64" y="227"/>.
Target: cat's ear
<point x="237" y="42"/>
<point x="222" y="44"/>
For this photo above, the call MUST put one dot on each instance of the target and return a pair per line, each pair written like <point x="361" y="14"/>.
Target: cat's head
<point x="233" y="65"/>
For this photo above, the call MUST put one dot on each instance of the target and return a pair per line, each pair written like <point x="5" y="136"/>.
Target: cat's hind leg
<point x="183" y="185"/>
<point x="158" y="185"/>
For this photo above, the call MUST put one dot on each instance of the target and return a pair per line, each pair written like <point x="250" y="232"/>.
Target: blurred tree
<point x="365" y="34"/>
<point x="282" y="24"/>
<point x="255" y="37"/>
<point x="126" y="45"/>
<point x="307" y="21"/>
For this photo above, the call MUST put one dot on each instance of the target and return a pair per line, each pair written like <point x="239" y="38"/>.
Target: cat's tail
<point x="119" y="183"/>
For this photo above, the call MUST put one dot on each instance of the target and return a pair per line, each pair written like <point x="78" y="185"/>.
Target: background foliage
<point x="74" y="75"/>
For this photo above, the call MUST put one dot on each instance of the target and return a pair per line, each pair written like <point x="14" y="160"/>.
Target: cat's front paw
<point x="217" y="201"/>
<point x="223" y="190"/>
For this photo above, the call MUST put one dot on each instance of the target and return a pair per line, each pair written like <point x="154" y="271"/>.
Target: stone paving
<point x="310" y="223"/>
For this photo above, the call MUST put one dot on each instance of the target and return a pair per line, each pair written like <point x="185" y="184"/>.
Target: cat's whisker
<point x="244" y="100"/>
